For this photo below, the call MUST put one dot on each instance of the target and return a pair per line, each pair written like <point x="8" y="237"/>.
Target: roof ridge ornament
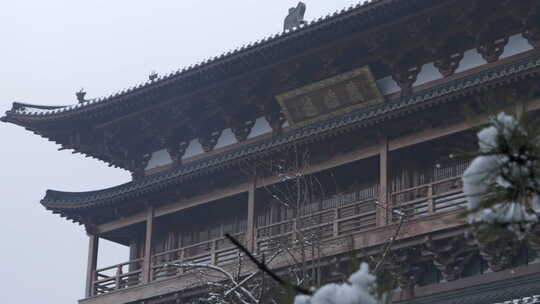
<point x="80" y="95"/>
<point x="295" y="18"/>
<point x="153" y="76"/>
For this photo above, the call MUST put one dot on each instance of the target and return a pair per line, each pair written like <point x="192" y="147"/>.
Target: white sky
<point x="49" y="50"/>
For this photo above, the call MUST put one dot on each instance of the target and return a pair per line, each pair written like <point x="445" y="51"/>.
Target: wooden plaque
<point x="330" y="97"/>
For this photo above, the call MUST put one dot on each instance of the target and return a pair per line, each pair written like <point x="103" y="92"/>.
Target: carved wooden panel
<point x="406" y="77"/>
<point x="177" y="150"/>
<point x="533" y="37"/>
<point x="491" y="51"/>
<point x="241" y="130"/>
<point x="449" y="64"/>
<point x="209" y="141"/>
<point x="330" y="97"/>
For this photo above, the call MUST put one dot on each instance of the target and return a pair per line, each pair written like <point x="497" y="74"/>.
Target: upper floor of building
<point x="363" y="108"/>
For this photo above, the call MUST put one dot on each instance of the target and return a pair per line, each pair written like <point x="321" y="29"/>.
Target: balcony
<point x="118" y="276"/>
<point x="440" y="196"/>
<point x="216" y="252"/>
<point x="343" y="215"/>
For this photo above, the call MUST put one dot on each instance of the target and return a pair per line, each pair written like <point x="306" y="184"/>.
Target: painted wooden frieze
<point x="330" y="97"/>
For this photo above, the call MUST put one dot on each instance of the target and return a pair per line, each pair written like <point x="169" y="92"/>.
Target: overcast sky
<point x="49" y="49"/>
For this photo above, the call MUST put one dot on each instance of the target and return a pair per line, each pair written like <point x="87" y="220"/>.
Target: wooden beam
<point x="342" y="159"/>
<point x="438" y="226"/>
<point x="328" y="164"/>
<point x="383" y="209"/>
<point x="434" y="133"/>
<point x="121" y="222"/>
<point x="93" y="244"/>
<point x="324" y="48"/>
<point x="394" y="144"/>
<point x="201" y="199"/>
<point x="250" y="230"/>
<point x="173" y="207"/>
<point x="147" y="264"/>
<point x="431" y="134"/>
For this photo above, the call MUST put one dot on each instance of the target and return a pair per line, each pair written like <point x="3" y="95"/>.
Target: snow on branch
<point x="358" y="289"/>
<point x="502" y="183"/>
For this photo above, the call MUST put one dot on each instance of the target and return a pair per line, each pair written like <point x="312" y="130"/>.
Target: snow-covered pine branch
<point x="359" y="289"/>
<point x="502" y="184"/>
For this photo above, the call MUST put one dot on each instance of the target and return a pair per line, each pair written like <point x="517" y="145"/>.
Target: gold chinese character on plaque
<point x="330" y="97"/>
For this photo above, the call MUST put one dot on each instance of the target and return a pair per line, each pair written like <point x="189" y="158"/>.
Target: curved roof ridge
<point x="18" y="105"/>
<point x="75" y="194"/>
<point x="31" y="109"/>
<point x="360" y="7"/>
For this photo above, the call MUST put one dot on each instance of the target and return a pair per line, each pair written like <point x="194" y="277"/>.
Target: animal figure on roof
<point x="295" y="17"/>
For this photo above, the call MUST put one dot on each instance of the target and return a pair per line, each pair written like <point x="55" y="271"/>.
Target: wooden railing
<point x="349" y="217"/>
<point x="340" y="215"/>
<point x="118" y="276"/>
<point x="440" y="196"/>
<point x="217" y="251"/>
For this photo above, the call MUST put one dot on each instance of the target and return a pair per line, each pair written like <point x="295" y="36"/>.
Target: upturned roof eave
<point x="36" y="118"/>
<point x="238" y="54"/>
<point x="499" y="75"/>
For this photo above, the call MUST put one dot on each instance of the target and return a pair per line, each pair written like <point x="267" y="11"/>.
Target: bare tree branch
<point x="220" y="270"/>
<point x="250" y="276"/>
<point x="392" y="239"/>
<point x="264" y="268"/>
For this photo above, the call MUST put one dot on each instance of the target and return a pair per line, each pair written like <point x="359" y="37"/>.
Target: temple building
<point x="336" y="133"/>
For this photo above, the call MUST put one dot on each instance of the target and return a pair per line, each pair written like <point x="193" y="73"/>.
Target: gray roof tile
<point x="65" y="200"/>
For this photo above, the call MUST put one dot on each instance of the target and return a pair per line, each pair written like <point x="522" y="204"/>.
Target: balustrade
<point x="440" y="196"/>
<point x="339" y="215"/>
<point x="118" y="276"/>
<point x="349" y="215"/>
<point x="217" y="251"/>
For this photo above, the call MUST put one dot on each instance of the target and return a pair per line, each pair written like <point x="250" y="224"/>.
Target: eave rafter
<point x="110" y="144"/>
<point x="446" y="44"/>
<point x="532" y="25"/>
<point x="173" y="125"/>
<point x="512" y="77"/>
<point x="383" y="42"/>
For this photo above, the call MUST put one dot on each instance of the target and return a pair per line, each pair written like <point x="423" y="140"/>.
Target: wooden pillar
<point x="383" y="210"/>
<point x="250" y="229"/>
<point x="92" y="264"/>
<point x="213" y="253"/>
<point x="431" y="201"/>
<point x="335" y="226"/>
<point x="147" y="264"/>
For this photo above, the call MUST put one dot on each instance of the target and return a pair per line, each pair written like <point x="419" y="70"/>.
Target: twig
<point x="265" y="269"/>
<point x="249" y="276"/>
<point x="389" y="244"/>
<point x="218" y="269"/>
